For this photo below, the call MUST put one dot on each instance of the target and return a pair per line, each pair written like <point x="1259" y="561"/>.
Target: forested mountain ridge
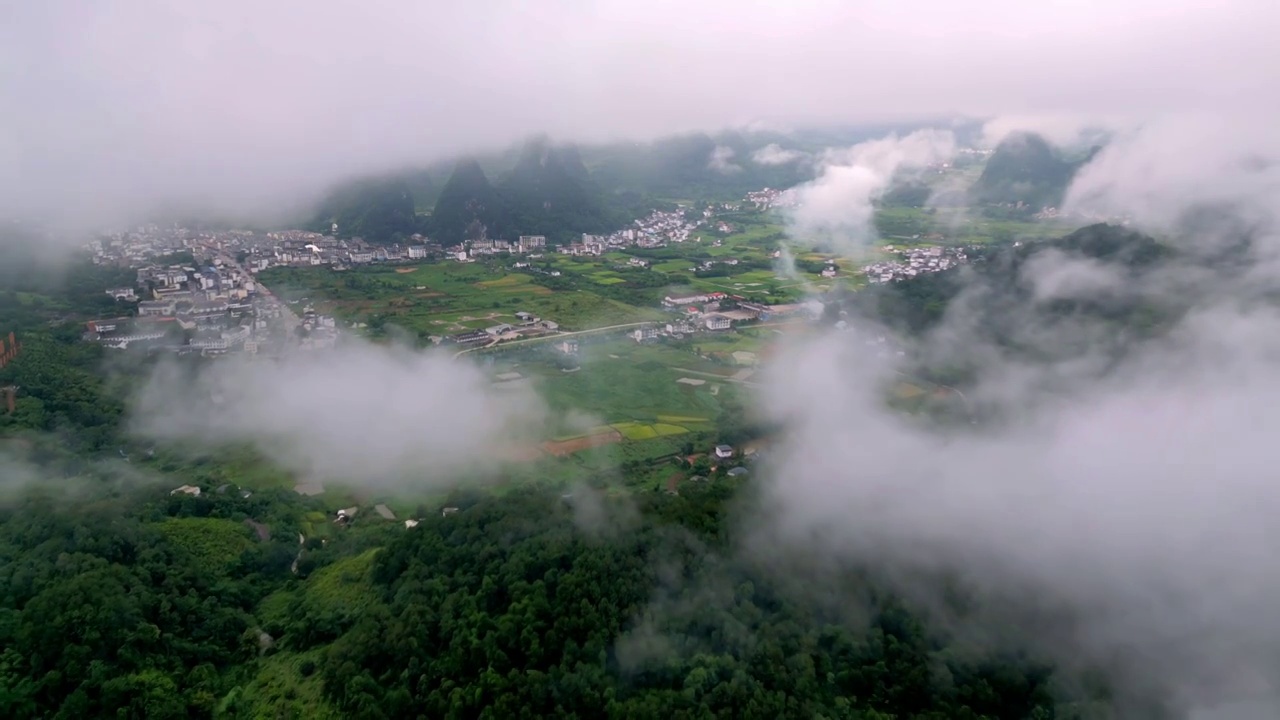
<point x="379" y="209"/>
<point x="467" y="203"/>
<point x="1025" y="168"/>
<point x="918" y="304"/>
<point x="550" y="192"/>
<point x="681" y="166"/>
<point x="1088" y="300"/>
<point x="556" y="190"/>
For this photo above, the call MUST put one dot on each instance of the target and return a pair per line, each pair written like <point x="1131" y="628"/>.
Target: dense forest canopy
<point x="661" y="620"/>
<point x="165" y="606"/>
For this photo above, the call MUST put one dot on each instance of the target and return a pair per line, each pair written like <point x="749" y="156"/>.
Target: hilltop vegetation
<point x="682" y="167"/>
<point x="563" y="190"/>
<point x="379" y="209"/>
<point x="1096" y="295"/>
<point x="998" y="278"/>
<point x="556" y="190"/>
<point x="111" y="605"/>
<point x="468" y="203"/>
<point x="551" y="192"/>
<point x="576" y="626"/>
<point x="1026" y="169"/>
<point x="507" y="608"/>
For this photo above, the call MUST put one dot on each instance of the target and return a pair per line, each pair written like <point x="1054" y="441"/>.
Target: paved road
<point x="557" y="336"/>
<point x="291" y="319"/>
<point x="599" y="330"/>
<point x="724" y="378"/>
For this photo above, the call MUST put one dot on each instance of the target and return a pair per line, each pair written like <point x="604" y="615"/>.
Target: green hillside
<point x="469" y="205"/>
<point x="1025" y="168"/>
<point x="378" y="209"/>
<point x="550" y="192"/>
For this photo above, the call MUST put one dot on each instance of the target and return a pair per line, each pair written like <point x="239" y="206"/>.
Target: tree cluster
<point x="507" y="609"/>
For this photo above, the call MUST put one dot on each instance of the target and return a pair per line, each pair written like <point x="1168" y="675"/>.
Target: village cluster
<point x="914" y="261"/>
<point x="527" y="325"/>
<point x="716" y="312"/>
<point x="657" y="229"/>
<point x="703" y="312"/>
<point x="770" y="198"/>
<point x="211" y="304"/>
<point x="1054" y="213"/>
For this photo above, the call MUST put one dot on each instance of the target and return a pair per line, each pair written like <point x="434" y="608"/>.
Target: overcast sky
<point x="108" y="106"/>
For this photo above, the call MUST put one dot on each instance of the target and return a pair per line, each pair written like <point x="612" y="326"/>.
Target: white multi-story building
<point x="716" y="322"/>
<point x="529" y="243"/>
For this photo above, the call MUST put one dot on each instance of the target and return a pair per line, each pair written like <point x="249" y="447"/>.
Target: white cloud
<point x="1053" y="275"/>
<point x="1063" y="129"/>
<point x="1138" y="491"/>
<point x="1158" y="171"/>
<point x="1145" y="501"/>
<point x="721" y="161"/>
<point x="775" y="154"/>
<point x="363" y="414"/>
<point x="837" y="206"/>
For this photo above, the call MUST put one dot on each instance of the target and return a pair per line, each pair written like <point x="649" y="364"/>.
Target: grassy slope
<point x="286" y="684"/>
<point x="214" y="542"/>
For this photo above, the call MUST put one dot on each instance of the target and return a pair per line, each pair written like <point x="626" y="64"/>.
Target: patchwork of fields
<point x="446" y="297"/>
<point x="629" y="401"/>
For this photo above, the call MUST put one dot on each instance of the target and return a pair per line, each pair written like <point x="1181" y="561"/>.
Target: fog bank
<point x="363" y="414"/>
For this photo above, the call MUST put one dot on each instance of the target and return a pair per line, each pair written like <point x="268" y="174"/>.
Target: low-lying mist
<point x="837" y="207"/>
<point x="1129" y="481"/>
<point x="381" y="416"/>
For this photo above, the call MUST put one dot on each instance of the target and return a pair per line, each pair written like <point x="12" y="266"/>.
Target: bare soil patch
<point x="405" y="270"/>
<point x="521" y="453"/>
<point x="568" y="447"/>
